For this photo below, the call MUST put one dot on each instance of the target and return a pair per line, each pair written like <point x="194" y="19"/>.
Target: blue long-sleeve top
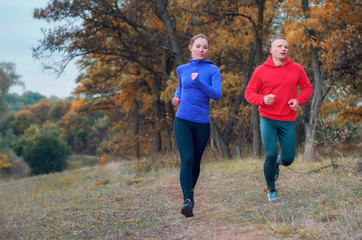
<point x="195" y="95"/>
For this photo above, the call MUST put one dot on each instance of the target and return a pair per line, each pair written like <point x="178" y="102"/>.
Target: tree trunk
<point x="170" y="120"/>
<point x="235" y="107"/>
<point x="158" y="117"/>
<point x="220" y="143"/>
<point x="136" y="131"/>
<point x="256" y="132"/>
<point x="258" y="61"/>
<point x="311" y="126"/>
<point x="255" y="54"/>
<point x="166" y="19"/>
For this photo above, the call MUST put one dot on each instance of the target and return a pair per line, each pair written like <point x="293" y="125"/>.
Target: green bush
<point x="43" y="149"/>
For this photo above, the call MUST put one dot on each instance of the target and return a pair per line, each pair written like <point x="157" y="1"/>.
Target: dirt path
<point x="208" y="222"/>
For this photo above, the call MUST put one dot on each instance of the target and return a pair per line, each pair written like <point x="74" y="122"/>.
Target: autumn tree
<point x="8" y="78"/>
<point x="4" y="161"/>
<point x="57" y="109"/>
<point x="22" y="120"/>
<point x="116" y="35"/>
<point x="129" y="52"/>
<point x="83" y="131"/>
<point x="28" y="98"/>
<point x="240" y="48"/>
<point x="343" y="54"/>
<point x="132" y="49"/>
<point x="35" y="114"/>
<point x="315" y="27"/>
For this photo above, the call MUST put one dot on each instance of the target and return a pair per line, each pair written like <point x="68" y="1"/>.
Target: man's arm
<point x="251" y="91"/>
<point x="306" y="88"/>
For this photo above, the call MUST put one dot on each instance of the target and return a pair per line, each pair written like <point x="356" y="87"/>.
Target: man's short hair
<point x="277" y="38"/>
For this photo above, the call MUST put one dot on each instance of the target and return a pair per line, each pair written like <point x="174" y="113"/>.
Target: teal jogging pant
<point x="271" y="131"/>
<point x="191" y="139"/>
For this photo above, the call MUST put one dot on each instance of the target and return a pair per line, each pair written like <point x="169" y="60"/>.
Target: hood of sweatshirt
<point x="269" y="63"/>
<point x="202" y="61"/>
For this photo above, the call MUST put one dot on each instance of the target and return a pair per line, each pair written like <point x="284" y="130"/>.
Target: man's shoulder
<point x="296" y="65"/>
<point x="259" y="68"/>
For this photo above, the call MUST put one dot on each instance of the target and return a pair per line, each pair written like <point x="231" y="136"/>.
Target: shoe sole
<point x="274" y="201"/>
<point x="187" y="211"/>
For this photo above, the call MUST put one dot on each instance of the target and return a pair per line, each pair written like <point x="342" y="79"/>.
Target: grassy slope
<point x="112" y="202"/>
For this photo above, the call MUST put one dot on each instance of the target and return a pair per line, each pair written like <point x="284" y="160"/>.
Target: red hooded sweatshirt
<point x="281" y="81"/>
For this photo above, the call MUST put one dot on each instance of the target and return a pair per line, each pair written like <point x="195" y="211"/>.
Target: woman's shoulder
<point x="209" y="64"/>
<point x="214" y="68"/>
<point x="182" y="66"/>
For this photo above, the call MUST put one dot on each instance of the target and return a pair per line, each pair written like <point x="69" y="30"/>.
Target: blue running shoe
<point x="273" y="196"/>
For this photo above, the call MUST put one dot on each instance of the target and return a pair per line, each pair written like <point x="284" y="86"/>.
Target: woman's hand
<point x="193" y="76"/>
<point x="175" y="101"/>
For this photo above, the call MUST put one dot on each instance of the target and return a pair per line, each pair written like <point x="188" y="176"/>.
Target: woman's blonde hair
<point x="193" y="39"/>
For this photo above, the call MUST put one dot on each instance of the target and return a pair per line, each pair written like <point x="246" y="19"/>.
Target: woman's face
<point x="199" y="49"/>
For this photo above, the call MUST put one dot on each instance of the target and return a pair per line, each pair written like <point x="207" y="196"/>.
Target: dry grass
<point x="119" y="201"/>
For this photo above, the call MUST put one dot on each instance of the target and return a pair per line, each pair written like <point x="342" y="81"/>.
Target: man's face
<point x="279" y="49"/>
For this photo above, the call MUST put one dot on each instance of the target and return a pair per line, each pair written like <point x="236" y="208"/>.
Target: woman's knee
<point x="272" y="157"/>
<point x="187" y="161"/>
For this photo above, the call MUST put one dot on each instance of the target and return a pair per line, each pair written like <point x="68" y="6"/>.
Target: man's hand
<point x="175" y="101"/>
<point x="294" y="104"/>
<point x="268" y="99"/>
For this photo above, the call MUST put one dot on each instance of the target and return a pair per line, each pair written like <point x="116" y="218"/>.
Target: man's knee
<point x="287" y="161"/>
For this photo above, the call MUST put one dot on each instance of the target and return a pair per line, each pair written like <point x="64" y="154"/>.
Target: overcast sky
<point x="19" y="32"/>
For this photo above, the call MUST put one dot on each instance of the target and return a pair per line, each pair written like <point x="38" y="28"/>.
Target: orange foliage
<point x="106" y="158"/>
<point x="337" y="27"/>
<point x="115" y="81"/>
<point x="130" y="68"/>
<point x="4" y="161"/>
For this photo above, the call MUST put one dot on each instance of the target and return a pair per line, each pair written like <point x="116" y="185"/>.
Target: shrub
<point x="330" y="134"/>
<point x="43" y="149"/>
<point x="4" y="161"/>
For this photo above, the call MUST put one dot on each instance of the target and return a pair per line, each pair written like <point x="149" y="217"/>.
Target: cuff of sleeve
<point x="197" y="79"/>
<point x="261" y="100"/>
<point x="300" y="102"/>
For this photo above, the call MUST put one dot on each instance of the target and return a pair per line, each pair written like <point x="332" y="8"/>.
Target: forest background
<point x="122" y="181"/>
<point x="128" y="51"/>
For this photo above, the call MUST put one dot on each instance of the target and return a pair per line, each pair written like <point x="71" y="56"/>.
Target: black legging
<point x="191" y="139"/>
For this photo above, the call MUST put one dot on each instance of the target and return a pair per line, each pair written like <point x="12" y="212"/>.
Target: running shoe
<point x="187" y="209"/>
<point x="273" y="196"/>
